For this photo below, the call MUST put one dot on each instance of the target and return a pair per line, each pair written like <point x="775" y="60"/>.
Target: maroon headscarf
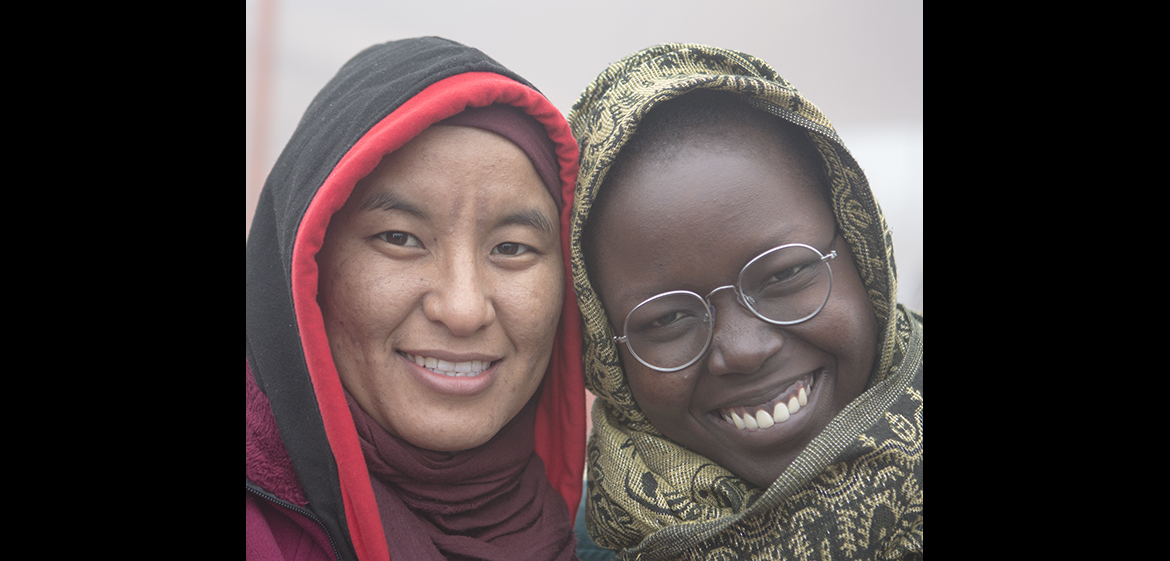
<point x="488" y="503"/>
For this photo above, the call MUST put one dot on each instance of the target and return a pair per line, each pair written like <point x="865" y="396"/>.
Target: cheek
<point x="363" y="300"/>
<point x="530" y="306"/>
<point x="663" y="397"/>
<point x="342" y="283"/>
<point x="340" y="297"/>
<point x="850" y="333"/>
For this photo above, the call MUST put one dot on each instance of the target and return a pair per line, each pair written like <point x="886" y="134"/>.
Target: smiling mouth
<point x="451" y="369"/>
<point x="777" y="411"/>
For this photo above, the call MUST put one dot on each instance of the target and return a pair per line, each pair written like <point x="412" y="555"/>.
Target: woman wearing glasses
<point x="760" y="392"/>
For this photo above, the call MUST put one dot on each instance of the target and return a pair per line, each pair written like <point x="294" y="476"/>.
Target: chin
<point x="454" y="443"/>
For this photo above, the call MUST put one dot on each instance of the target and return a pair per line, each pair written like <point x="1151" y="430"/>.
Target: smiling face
<point x="690" y="219"/>
<point x="441" y="283"/>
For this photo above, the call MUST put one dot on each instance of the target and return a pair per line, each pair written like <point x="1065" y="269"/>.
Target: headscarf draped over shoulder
<point x="856" y="490"/>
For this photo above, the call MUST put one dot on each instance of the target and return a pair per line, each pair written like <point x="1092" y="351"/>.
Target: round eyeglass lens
<point x="669" y="330"/>
<point x="786" y="285"/>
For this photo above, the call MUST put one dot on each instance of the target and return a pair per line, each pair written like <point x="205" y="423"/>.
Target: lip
<point x="796" y="424"/>
<point x="452" y="385"/>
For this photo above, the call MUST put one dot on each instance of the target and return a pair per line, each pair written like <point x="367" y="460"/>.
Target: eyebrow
<point x="390" y="201"/>
<point x="531" y="218"/>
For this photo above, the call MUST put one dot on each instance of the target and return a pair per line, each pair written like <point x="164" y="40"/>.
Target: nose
<point x="741" y="342"/>
<point x="460" y="299"/>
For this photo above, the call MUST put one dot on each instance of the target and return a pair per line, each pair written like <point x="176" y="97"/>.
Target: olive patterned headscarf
<point x="856" y="491"/>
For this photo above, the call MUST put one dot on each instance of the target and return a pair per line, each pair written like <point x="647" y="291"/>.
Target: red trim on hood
<point x="560" y="426"/>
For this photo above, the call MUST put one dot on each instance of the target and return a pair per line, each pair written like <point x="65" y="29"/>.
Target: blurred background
<point x="860" y="61"/>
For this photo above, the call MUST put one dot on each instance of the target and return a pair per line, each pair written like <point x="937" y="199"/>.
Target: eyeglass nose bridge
<point x="739" y="297"/>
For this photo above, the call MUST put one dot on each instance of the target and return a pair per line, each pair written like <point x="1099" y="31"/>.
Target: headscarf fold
<point x="856" y="491"/>
<point x="488" y="503"/>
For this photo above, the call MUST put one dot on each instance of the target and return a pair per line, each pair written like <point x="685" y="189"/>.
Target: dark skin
<point x="690" y="218"/>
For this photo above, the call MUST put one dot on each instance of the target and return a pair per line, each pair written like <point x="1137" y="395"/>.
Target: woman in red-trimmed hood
<point x="413" y="373"/>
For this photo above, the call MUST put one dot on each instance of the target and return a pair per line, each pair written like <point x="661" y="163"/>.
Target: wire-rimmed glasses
<point x="785" y="285"/>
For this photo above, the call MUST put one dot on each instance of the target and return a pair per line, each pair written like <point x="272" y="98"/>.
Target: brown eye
<point x="400" y="238"/>
<point x="509" y="248"/>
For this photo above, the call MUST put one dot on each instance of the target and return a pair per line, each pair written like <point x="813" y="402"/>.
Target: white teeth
<point x="763" y="418"/>
<point x="781" y="413"/>
<point x="453" y="369"/>
<point x="750" y="422"/>
<point x="737" y="420"/>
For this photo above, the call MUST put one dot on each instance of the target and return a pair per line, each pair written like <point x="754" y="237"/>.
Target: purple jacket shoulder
<point x="278" y="525"/>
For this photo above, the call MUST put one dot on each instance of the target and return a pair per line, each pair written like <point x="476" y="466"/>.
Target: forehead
<point x="687" y="217"/>
<point x="444" y="154"/>
<point x="747" y="187"/>
<point x="446" y="167"/>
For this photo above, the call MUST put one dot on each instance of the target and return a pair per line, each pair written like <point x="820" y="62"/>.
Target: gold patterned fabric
<point x="856" y="491"/>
